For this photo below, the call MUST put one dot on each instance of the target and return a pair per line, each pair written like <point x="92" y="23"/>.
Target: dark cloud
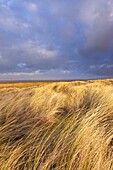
<point x="105" y="70"/>
<point x="56" y="39"/>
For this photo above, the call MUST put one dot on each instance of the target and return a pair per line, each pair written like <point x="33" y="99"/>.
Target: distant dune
<point x="56" y="125"/>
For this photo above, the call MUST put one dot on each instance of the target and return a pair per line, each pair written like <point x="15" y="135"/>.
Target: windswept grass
<point x="57" y="126"/>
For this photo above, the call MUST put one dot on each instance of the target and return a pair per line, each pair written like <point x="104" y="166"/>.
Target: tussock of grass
<point x="59" y="126"/>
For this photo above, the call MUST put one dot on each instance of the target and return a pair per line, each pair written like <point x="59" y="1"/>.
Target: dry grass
<point x="57" y="126"/>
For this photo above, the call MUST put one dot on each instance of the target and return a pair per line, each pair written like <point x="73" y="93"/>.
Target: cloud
<point x="105" y="70"/>
<point x="52" y="74"/>
<point x="31" y="6"/>
<point x="29" y="56"/>
<point x="74" y="37"/>
<point x="21" y="65"/>
<point x="98" y="17"/>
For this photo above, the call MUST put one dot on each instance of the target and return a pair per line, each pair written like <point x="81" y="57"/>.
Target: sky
<point x="56" y="39"/>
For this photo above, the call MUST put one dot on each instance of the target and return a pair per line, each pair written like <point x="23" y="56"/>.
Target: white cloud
<point x="37" y="72"/>
<point x="101" y="66"/>
<point x="92" y="67"/>
<point x="13" y="24"/>
<point x="21" y="65"/>
<point x="51" y="74"/>
<point x="34" y="49"/>
<point x="31" y="6"/>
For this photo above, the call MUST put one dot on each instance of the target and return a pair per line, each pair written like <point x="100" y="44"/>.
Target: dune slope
<point x="57" y="126"/>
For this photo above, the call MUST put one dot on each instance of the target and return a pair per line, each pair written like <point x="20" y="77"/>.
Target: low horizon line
<point x="50" y="80"/>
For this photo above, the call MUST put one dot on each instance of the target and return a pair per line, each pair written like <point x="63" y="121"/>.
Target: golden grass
<point x="57" y="126"/>
<point x="22" y="84"/>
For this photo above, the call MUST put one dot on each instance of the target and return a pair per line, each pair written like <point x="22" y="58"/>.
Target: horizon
<point x="51" y="80"/>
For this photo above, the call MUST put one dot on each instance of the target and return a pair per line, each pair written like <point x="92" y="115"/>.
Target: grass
<point x="56" y="126"/>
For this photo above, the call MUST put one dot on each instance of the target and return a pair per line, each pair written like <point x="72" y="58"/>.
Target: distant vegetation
<point x="56" y="126"/>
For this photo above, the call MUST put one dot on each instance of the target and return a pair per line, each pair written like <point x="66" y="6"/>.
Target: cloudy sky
<point x="56" y="39"/>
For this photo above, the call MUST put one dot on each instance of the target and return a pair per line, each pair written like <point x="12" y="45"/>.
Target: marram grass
<point x="57" y="126"/>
